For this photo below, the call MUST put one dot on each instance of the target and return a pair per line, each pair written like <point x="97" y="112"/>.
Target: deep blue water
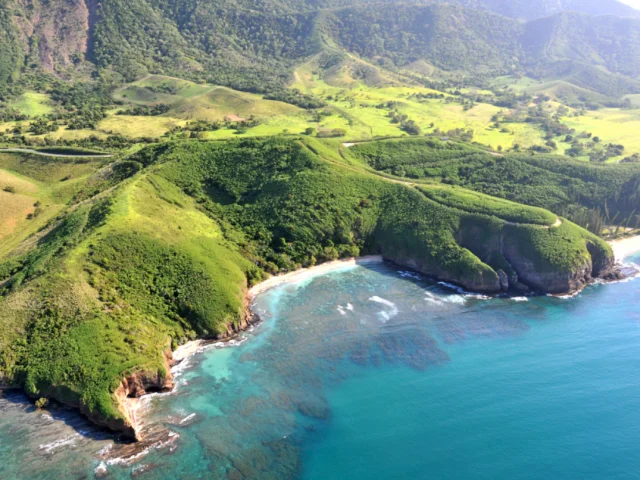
<point x="369" y="373"/>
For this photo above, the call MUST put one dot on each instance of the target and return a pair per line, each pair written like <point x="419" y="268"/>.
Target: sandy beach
<point x="305" y="273"/>
<point x="191" y="348"/>
<point x="621" y="247"/>
<point x="625" y="246"/>
<point x="188" y="349"/>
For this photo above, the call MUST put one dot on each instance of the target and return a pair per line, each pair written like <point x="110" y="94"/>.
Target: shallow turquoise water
<point x="369" y="373"/>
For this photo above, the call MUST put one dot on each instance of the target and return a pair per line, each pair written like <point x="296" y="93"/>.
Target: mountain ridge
<point x="247" y="49"/>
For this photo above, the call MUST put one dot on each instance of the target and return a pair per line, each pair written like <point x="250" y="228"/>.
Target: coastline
<point x="623" y="247"/>
<point x="191" y="348"/>
<point x="311" y="272"/>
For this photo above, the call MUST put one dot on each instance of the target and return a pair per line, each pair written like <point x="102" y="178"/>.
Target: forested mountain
<point x="530" y="10"/>
<point x="518" y="9"/>
<point x="610" y="42"/>
<point x="254" y="46"/>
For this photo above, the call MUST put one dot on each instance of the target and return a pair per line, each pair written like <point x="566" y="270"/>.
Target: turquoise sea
<point x="374" y="373"/>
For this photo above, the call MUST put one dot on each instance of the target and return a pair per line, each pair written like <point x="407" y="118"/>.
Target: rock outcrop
<point x="498" y="256"/>
<point x="55" y="33"/>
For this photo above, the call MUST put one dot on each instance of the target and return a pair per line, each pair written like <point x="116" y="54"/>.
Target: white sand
<point x="188" y="349"/>
<point x="305" y="273"/>
<point x="625" y="247"/>
<point x="191" y="348"/>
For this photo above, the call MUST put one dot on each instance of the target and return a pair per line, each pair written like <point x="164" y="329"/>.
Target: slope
<point x="90" y="311"/>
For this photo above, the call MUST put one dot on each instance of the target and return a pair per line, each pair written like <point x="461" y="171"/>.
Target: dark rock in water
<point x="521" y="287"/>
<point x="233" y="474"/>
<point x="504" y="280"/>
<point x="621" y="272"/>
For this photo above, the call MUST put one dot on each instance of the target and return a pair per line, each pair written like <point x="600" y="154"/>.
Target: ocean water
<point x="374" y="373"/>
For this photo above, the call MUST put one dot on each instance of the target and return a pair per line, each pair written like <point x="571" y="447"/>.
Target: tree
<point x="309" y="131"/>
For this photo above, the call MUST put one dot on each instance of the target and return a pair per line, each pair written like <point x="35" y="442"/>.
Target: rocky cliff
<point x="54" y="35"/>
<point x="496" y="256"/>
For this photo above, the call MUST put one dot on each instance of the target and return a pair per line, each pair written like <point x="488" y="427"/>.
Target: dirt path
<point x="556" y="224"/>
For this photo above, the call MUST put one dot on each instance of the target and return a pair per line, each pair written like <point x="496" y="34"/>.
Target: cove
<point x="374" y="372"/>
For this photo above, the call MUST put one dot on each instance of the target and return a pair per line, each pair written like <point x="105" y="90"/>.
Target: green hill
<point x="610" y="192"/>
<point x="91" y="306"/>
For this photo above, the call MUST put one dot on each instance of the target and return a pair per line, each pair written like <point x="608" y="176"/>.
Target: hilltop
<point x="162" y="246"/>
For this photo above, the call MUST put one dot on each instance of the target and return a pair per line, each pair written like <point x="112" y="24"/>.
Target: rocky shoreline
<point x="139" y="384"/>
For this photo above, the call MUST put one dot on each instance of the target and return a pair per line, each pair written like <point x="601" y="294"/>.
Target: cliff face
<point x="498" y="256"/>
<point x="53" y="34"/>
<point x="132" y="387"/>
<point x="483" y="281"/>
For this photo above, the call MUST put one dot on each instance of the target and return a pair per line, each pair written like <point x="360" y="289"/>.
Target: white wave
<point x="187" y="418"/>
<point x="69" y="440"/>
<point x="478" y="296"/>
<point x="433" y="300"/>
<point x="106" y="449"/>
<point x="462" y="291"/>
<point x="457" y="299"/>
<point x="565" y="297"/>
<point x="453" y="287"/>
<point x="349" y="307"/>
<point x="236" y="342"/>
<point x="181" y="367"/>
<point x="430" y="297"/>
<point x="520" y="299"/>
<point x="138" y="470"/>
<point x="386" y="315"/>
<point x="101" y="469"/>
<point x="171" y="438"/>
<point x="341" y="310"/>
<point x="407" y="274"/>
<point x="382" y="301"/>
<point x="47" y="417"/>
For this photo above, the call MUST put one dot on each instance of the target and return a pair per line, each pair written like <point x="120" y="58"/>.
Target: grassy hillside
<point x="110" y="285"/>
<point x="610" y="192"/>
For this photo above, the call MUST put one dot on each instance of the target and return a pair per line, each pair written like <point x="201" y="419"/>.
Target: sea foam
<point x="386" y="315"/>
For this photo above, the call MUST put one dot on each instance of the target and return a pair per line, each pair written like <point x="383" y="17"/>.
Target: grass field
<point x="14" y="209"/>
<point x="132" y="126"/>
<point x="360" y="102"/>
<point x="33" y="104"/>
<point x="191" y="101"/>
<point x="612" y="126"/>
<point x="359" y="106"/>
<point x="49" y="182"/>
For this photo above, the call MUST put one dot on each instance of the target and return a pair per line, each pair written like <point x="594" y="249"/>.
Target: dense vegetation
<point x="168" y="254"/>
<point x="255" y="47"/>
<point x="551" y="182"/>
<point x="108" y="264"/>
<point x="11" y="54"/>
